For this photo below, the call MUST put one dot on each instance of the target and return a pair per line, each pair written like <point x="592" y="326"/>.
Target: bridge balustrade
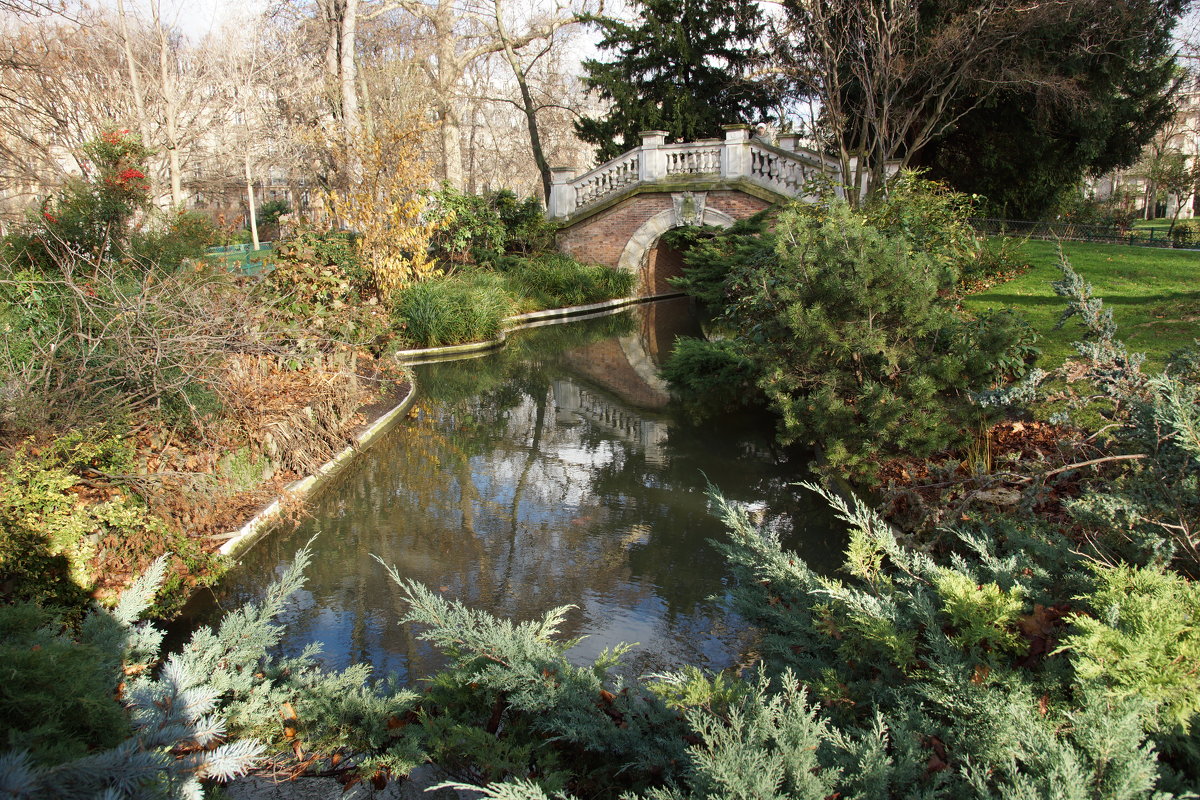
<point x="699" y="158"/>
<point x="787" y="176"/>
<point x="607" y="179"/>
<point x="784" y="170"/>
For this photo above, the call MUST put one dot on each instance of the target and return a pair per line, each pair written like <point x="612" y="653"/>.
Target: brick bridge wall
<point x="600" y="239"/>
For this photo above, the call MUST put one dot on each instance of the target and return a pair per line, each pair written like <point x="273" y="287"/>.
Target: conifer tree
<point x="681" y="67"/>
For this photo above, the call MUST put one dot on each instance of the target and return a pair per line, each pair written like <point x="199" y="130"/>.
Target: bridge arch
<point x="640" y="254"/>
<point x="633" y="256"/>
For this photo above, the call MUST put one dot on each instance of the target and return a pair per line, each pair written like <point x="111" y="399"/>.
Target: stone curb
<point x="258" y="526"/>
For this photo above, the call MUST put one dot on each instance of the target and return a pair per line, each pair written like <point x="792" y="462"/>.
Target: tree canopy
<point x="1010" y="99"/>
<point x="1094" y="106"/>
<point x="683" y="67"/>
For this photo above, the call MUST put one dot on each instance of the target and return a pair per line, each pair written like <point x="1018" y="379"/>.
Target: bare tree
<point x="460" y="35"/>
<point x="134" y="73"/>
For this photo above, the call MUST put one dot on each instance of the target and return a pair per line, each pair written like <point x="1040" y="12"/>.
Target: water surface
<point x="553" y="472"/>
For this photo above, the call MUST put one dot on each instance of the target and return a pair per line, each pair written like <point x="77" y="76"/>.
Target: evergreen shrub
<point x="711" y="253"/>
<point x="1145" y="641"/>
<point x="483" y="228"/>
<point x="853" y="327"/>
<point x="471" y="228"/>
<point x="56" y="699"/>
<point x="1186" y="233"/>
<point x="56" y="547"/>
<point x="172" y="243"/>
<point x="711" y="377"/>
<point x="527" y="230"/>
<point x="107" y="214"/>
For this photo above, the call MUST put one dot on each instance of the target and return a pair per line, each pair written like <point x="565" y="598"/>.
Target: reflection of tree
<point x="504" y="500"/>
<point x="535" y="441"/>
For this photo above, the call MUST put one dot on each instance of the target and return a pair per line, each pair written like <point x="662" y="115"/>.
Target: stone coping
<point x="302" y="489"/>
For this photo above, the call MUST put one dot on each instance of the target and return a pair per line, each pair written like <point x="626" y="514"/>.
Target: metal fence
<point x="242" y="257"/>
<point x="1144" y="237"/>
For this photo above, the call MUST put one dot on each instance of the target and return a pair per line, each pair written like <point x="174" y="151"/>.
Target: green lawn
<point x="1154" y="295"/>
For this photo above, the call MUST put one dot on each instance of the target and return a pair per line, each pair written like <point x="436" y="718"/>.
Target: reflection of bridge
<point x="628" y="366"/>
<point x="615" y="214"/>
<point x="648" y="435"/>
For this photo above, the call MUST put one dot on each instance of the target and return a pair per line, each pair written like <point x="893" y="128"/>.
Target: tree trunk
<point x="452" y="157"/>
<point x="135" y="79"/>
<point x="368" y="115"/>
<point x="527" y="104"/>
<point x="171" y="107"/>
<point x="252" y="215"/>
<point x="348" y="66"/>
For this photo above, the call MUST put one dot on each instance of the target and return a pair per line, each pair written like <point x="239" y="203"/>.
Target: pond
<point x="552" y="472"/>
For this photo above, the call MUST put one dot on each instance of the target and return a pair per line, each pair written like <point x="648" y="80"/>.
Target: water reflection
<point x="550" y="473"/>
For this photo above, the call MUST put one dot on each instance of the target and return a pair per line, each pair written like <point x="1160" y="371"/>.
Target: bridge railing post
<point x="735" y="153"/>
<point x="651" y="165"/>
<point x="561" y="201"/>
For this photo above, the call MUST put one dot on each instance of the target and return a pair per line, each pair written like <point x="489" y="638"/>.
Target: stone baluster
<point x="735" y="153"/>
<point x="652" y="164"/>
<point x="562" y="193"/>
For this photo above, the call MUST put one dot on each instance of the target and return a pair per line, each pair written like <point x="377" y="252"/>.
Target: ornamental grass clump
<point x="554" y="280"/>
<point x="465" y="308"/>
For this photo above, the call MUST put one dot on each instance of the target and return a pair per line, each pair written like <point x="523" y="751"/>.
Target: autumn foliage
<point x="386" y="204"/>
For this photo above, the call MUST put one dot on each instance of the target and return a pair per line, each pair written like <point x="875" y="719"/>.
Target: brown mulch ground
<point x="184" y="479"/>
<point x="918" y="494"/>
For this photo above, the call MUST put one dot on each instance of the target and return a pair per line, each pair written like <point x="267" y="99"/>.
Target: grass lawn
<point x="1154" y="295"/>
<point x="1158" y="224"/>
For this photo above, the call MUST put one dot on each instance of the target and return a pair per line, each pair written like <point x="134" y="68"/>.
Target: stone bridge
<point x="616" y="213"/>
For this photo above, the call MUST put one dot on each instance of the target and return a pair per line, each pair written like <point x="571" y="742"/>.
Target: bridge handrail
<point x="609" y="177"/>
<point x="785" y="169"/>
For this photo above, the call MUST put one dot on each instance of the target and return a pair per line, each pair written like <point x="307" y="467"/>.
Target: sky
<point x="196" y="18"/>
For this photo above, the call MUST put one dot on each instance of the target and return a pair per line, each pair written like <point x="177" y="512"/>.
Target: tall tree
<point x="529" y="107"/>
<point x="458" y="37"/>
<point x="683" y="67"/>
<point x="135" y="78"/>
<point x="169" y="88"/>
<point x="1099" y="98"/>
<point x="893" y="77"/>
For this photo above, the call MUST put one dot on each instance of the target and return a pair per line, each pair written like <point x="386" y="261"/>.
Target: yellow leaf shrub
<point x="385" y="203"/>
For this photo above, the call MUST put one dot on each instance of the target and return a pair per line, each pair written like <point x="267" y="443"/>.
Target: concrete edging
<point x="260" y="524"/>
